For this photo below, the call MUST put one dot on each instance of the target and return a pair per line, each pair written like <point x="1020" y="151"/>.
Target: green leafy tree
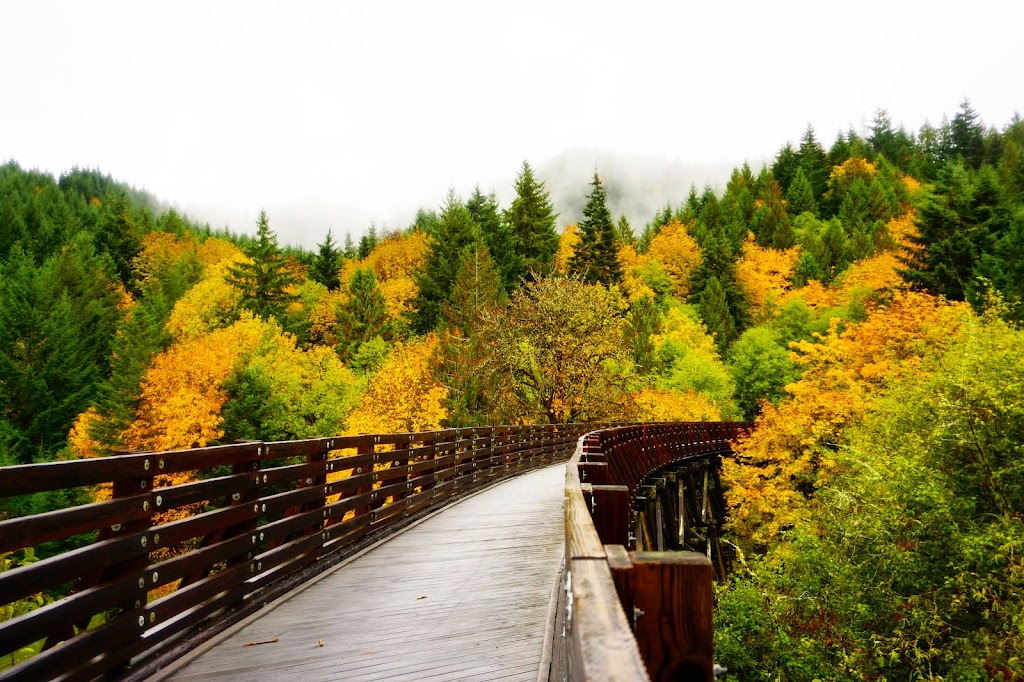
<point x="264" y="281"/>
<point x="761" y="367"/>
<point x="532" y="220"/>
<point x="326" y="264"/>
<point x="596" y="256"/>
<point x="561" y="345"/>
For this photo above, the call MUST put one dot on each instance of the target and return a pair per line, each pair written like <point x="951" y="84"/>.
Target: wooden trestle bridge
<point x="470" y="554"/>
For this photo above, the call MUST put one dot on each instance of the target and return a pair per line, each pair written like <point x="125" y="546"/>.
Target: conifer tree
<point x="118" y="234"/>
<point x="326" y="264"/>
<point x="455" y="231"/>
<point x="264" y="282"/>
<point x="624" y="232"/>
<point x="814" y="162"/>
<point x="367" y="242"/>
<point x="800" y="195"/>
<point x="714" y="310"/>
<point x="967" y="136"/>
<point x="532" y="220"/>
<point x="350" y="251"/>
<point x="363" y="316"/>
<point x="463" y="363"/>
<point x="497" y="236"/>
<point x="785" y="165"/>
<point x="596" y="257"/>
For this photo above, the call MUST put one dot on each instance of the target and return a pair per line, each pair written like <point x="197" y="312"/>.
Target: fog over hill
<point x="637" y="186"/>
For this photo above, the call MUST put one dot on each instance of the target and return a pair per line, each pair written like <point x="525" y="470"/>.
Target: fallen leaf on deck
<point x="265" y="641"/>
<point x="423" y="597"/>
<point x="320" y="642"/>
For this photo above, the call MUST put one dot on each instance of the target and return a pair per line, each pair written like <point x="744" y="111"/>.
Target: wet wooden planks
<point x="461" y="596"/>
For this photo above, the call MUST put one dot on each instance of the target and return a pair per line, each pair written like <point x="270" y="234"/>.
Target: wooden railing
<point x="179" y="545"/>
<point x="634" y="615"/>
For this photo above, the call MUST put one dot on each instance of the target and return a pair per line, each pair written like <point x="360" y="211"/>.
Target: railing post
<point x="672" y="595"/>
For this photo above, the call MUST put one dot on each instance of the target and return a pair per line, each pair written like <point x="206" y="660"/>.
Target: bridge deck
<point x="462" y="595"/>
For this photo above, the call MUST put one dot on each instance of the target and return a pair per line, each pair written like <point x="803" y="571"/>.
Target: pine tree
<point x="454" y="232"/>
<point x="497" y="236"/>
<point x="363" y="316"/>
<point x="624" y="232"/>
<point x="326" y="264"/>
<point x="714" y="310"/>
<point x="800" y="195"/>
<point x="263" y="282"/>
<point x="785" y="165"/>
<point x="532" y="220"/>
<point x="642" y="324"/>
<point x="596" y="257"/>
<point x="814" y="162"/>
<point x="462" y="361"/>
<point x="119" y="235"/>
<point x="368" y="242"/>
<point x="968" y="136"/>
<point x="350" y="247"/>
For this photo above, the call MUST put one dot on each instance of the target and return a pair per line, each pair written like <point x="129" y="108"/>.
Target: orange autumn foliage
<point x="764" y="275"/>
<point x="182" y="393"/>
<point x="774" y="472"/>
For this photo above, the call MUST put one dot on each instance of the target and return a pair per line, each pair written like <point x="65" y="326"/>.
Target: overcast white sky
<point x="339" y="113"/>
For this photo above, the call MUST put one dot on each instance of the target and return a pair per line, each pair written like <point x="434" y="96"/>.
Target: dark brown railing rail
<point x="188" y="542"/>
<point x="634" y="615"/>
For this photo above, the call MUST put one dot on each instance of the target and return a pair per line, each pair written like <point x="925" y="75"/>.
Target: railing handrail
<point x="282" y="511"/>
<point x="608" y="589"/>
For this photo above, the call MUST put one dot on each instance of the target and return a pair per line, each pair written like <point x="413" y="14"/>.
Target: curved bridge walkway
<point x="463" y="594"/>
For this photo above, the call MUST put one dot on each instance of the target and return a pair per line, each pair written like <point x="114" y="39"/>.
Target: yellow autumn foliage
<point x="678" y="254"/>
<point x="633" y="286"/>
<point x="567" y="242"/>
<point x="206" y="306"/>
<point x="764" y="275"/>
<point x="403" y="395"/>
<point x="182" y="393"/>
<point x="394" y="262"/>
<point x="663" y="405"/>
<point x="790" y="452"/>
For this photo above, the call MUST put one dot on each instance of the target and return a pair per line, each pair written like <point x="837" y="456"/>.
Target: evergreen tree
<point x="785" y="165"/>
<point x="770" y="221"/>
<point x="800" y="195"/>
<point x="350" y="251"/>
<point x="814" y="162"/>
<point x="532" y="220"/>
<point x="326" y="264"/>
<point x="714" y="310"/>
<point x="596" y="257"/>
<point x="363" y="316"/>
<point x="48" y="374"/>
<point x="968" y="136"/>
<point x="462" y="364"/>
<point x="368" y="242"/>
<point x="497" y="236"/>
<point x="119" y="236"/>
<point x="624" y="232"/>
<point x="454" y="232"/>
<point x="264" y="282"/>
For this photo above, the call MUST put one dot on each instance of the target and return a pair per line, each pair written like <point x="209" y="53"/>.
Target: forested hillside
<point x="860" y="300"/>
